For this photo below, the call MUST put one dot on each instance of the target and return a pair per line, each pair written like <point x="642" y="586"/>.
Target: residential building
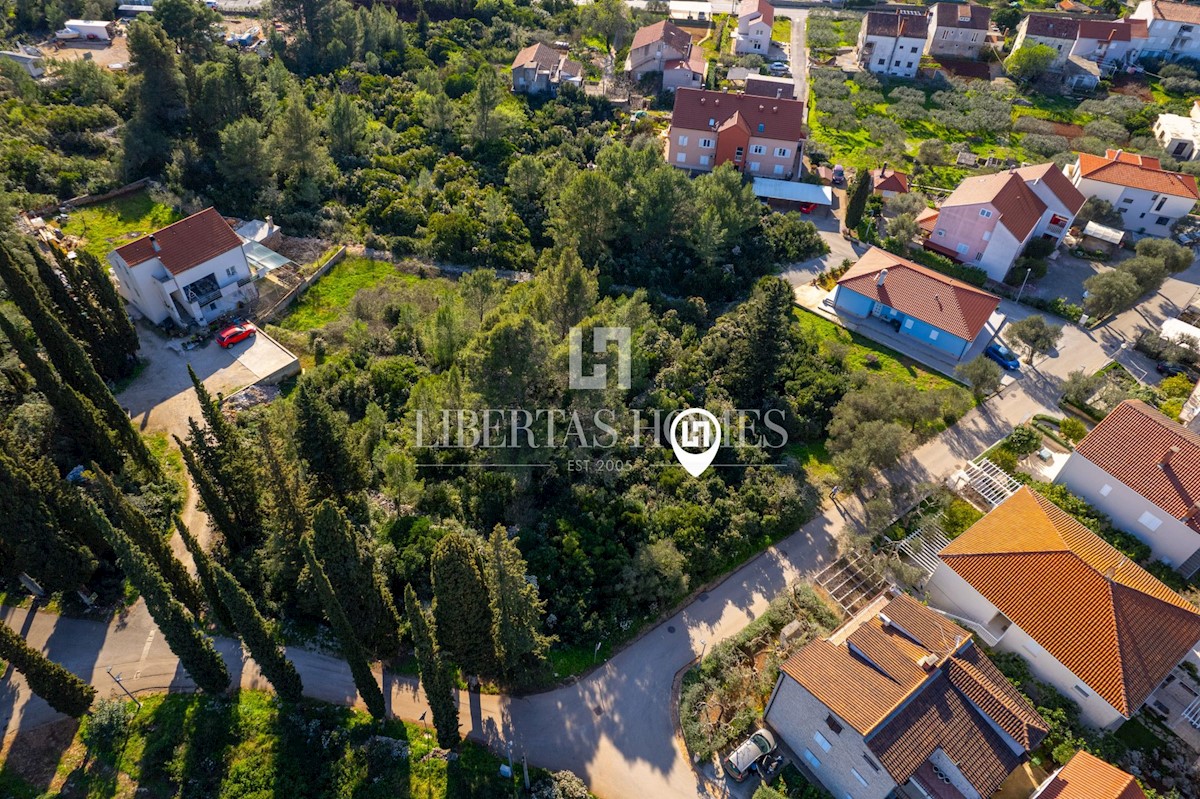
<point x="1056" y="32"/>
<point x="1071" y="7"/>
<point x="1171" y="29"/>
<point x="539" y="68"/>
<point x="1088" y="777"/>
<point x="900" y="701"/>
<point x="891" y="42"/>
<point x="1143" y="470"/>
<point x="1179" y="135"/>
<point x="760" y="136"/>
<point x="957" y="30"/>
<point x="1028" y="578"/>
<point x="753" y="34"/>
<point x="888" y="183"/>
<point x="1149" y="198"/>
<point x="1113" y="44"/>
<point x="190" y="272"/>
<point x="935" y="310"/>
<point x="665" y="47"/>
<point x="30" y="59"/>
<point x="771" y="86"/>
<point x="989" y="219"/>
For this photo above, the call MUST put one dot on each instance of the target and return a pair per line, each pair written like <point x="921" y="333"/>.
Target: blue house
<point x="936" y="310"/>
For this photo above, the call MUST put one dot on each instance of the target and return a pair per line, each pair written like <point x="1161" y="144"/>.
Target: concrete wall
<point x="1138" y="207"/>
<point x="965" y="225"/>
<point x="1001" y="253"/>
<point x="852" y="302"/>
<point x="796" y="715"/>
<point x="1173" y="541"/>
<point x="1167" y="39"/>
<point x="954" y="42"/>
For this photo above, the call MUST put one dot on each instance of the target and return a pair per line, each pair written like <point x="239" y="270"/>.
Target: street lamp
<point x="1028" y="271"/>
<point x="596" y="651"/>
<point x="117" y="679"/>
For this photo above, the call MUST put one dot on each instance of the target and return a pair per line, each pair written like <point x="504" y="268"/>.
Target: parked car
<point x="779" y="67"/>
<point x="1168" y="369"/>
<point x="1002" y="355"/>
<point x="806" y="208"/>
<point x="839" y="175"/>
<point x="235" y="333"/>
<point x="742" y="759"/>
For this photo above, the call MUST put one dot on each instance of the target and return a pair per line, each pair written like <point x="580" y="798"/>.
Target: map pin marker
<point x="699" y="429"/>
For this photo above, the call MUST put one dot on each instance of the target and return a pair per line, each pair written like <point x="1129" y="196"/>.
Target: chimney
<point x="702" y="100"/>
<point x="761" y="107"/>
<point x="882" y="277"/>
<point x="154" y="243"/>
<point x="883" y="170"/>
<point x="1192" y="514"/>
<point x="1166" y="458"/>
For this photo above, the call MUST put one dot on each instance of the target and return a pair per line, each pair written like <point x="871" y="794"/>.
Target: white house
<point x="1143" y="470"/>
<point x="958" y="30"/>
<point x="1056" y="32"/>
<point x="1028" y="578"/>
<point x="191" y="272"/>
<point x="1171" y="28"/>
<point x="1111" y="44"/>
<point x="891" y="42"/>
<point x="95" y="30"/>
<point x="665" y="47"/>
<point x="30" y="59"/>
<point x="1149" y="198"/>
<point x="539" y="68"/>
<point x="900" y="701"/>
<point x="753" y="34"/>
<point x="1179" y="135"/>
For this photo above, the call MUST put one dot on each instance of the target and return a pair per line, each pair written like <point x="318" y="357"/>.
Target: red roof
<point x="760" y="8"/>
<point x="920" y="292"/>
<point x="1019" y="208"/>
<point x="961" y="15"/>
<point x="1120" y="30"/>
<point x="1058" y="183"/>
<point x="1136" y="171"/>
<point x="1088" y="777"/>
<point x="883" y="180"/>
<point x="1131" y="444"/>
<point x="701" y="109"/>
<point x="665" y="31"/>
<point x="187" y="243"/>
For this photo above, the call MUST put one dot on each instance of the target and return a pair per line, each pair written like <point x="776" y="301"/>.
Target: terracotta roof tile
<point x="1058" y="183"/>
<point x="1110" y="622"/>
<point x="1136" y="171"/>
<point x="781" y="119"/>
<point x="665" y="31"/>
<point x="1088" y="777"/>
<point x="889" y="181"/>
<point x="994" y="695"/>
<point x="1019" y="208"/>
<point x="1122" y="30"/>
<point x="546" y="58"/>
<point x="184" y="244"/>
<point x="1130" y="444"/>
<point x="1048" y="26"/>
<point x="922" y="293"/>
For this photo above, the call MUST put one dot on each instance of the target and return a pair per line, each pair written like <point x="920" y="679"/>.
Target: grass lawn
<point x="237" y="748"/>
<point x="105" y="226"/>
<point x="813" y="457"/>
<point x="331" y="295"/>
<point x="170" y="458"/>
<point x="781" y="30"/>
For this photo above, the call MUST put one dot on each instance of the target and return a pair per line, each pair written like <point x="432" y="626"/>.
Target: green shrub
<point x="939" y="263"/>
<point x="958" y="516"/>
<point x="1023" y="440"/>
<point x="1005" y="458"/>
<point x="1072" y="429"/>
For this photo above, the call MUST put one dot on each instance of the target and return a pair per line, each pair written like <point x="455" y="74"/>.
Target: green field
<point x="331" y="295"/>
<point x="107" y="225"/>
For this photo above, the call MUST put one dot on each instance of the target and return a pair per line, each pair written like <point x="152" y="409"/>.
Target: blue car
<point x="1002" y="355"/>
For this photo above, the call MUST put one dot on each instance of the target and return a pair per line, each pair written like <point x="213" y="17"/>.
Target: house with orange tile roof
<point x="1088" y="777"/>
<point x="988" y="220"/>
<point x="1149" y="198"/>
<point x="900" y="701"/>
<point x="754" y="22"/>
<point x="665" y="47"/>
<point x="935" y="310"/>
<point x="1172" y="29"/>
<point x="1143" y="470"/>
<point x="888" y="183"/>
<point x="761" y="136"/>
<point x="1028" y="578"/>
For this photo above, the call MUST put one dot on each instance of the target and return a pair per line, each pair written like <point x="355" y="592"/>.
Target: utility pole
<point x="1028" y="271"/>
<point x="117" y="679"/>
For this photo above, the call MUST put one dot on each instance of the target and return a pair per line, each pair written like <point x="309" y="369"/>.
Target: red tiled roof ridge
<point x="1121" y="170"/>
<point x="182" y="245"/>
<point x="1086" y="776"/>
<point x="782" y="119"/>
<point x="1019" y="719"/>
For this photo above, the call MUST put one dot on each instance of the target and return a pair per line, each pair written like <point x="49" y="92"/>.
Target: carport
<point x="785" y="195"/>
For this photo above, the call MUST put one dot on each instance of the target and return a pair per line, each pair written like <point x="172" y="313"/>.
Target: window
<point x="1149" y="521"/>
<point x="933" y="335"/>
<point x="861" y="780"/>
<point x="704" y="160"/>
<point x="895" y="63"/>
<point x="833" y="724"/>
<point x="761" y="127"/>
<point x="757" y="149"/>
<point x="913" y="49"/>
<point x="738" y="153"/>
<point x="754" y="166"/>
<point x="231" y="271"/>
<point x="1185" y="28"/>
<point x="985" y="213"/>
<point x="1163" y="220"/>
<point x="870" y="762"/>
<point x="882" y="62"/>
<point x="811" y="759"/>
<point x="910" y="65"/>
<point x="778" y="169"/>
<point x="1162" y="201"/>
<point x="908" y="324"/>
<point x="978" y="256"/>
<point x="987" y="235"/>
<point x="1127" y="200"/>
<point x="1105" y="490"/>
<point x="781" y="152"/>
<point x="822" y="741"/>
<point x="1079" y="689"/>
<point x="683" y="141"/>
<point x="961" y="249"/>
<point x="706" y="143"/>
<point x="681" y="158"/>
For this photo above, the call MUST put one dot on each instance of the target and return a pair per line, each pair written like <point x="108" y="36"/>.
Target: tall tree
<point x="321" y="440"/>
<point x="352" y="650"/>
<point x="461" y="604"/>
<point x="512" y="366"/>
<point x="487" y="97"/>
<point x="157" y="96"/>
<point x="479" y="289"/>
<point x="856" y="203"/>
<point x="210" y="496"/>
<point x="64" y="692"/>
<point x="195" y="651"/>
<point x="437" y="678"/>
<point x="286" y="510"/>
<point x="517" y="610"/>
<point x="564" y="290"/>
<point x="190" y="24"/>
<point x="1038" y="336"/>
<point x="347" y="128"/>
<point x="90" y="279"/>
<point x="763" y="343"/>
<point x="247" y="164"/>
<point x="204" y="574"/>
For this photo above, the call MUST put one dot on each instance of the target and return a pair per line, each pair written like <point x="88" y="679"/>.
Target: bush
<point x="1177" y="387"/>
<point x="939" y="263"/>
<point x="1072" y="429"/>
<point x="1023" y="440"/>
<point x="1005" y="458"/>
<point x="793" y="238"/>
<point x="106" y="726"/>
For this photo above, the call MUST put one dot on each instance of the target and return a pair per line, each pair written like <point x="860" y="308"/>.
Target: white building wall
<point x="1000" y="254"/>
<point x="1167" y="39"/>
<point x="1138" y="207"/>
<point x="1054" y="207"/>
<point x="753" y="38"/>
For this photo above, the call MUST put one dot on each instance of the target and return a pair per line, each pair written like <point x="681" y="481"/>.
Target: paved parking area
<point x="1064" y="278"/>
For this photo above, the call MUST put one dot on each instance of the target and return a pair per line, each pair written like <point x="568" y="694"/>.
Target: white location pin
<point x="699" y="429"/>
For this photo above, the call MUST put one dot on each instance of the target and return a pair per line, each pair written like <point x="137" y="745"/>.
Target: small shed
<point x="787" y="194"/>
<point x="1100" y="238"/>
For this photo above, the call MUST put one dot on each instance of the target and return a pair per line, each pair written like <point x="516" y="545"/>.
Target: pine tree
<point x="350" y="565"/>
<point x="436" y="675"/>
<point x="286" y="511"/>
<point x="321" y="442"/>
<point x="256" y="634"/>
<point x="135" y="524"/>
<point x="517" y="610"/>
<point x="461" y="605"/>
<point x="196" y="652"/>
<point x="204" y="574"/>
<point x="61" y="689"/>
<point x="860" y="191"/>
<point x="352" y="650"/>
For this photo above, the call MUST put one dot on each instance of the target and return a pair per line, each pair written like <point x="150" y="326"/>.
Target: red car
<point x="232" y="335"/>
<point x="806" y="208"/>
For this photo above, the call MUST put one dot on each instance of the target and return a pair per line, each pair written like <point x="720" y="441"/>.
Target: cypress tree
<point x="860" y="192"/>
<point x="61" y="689"/>
<point x="210" y="497"/>
<point x="77" y="417"/>
<point x="352" y="649"/>
<point x="91" y="280"/>
<point x="321" y="437"/>
<point x="204" y="573"/>
<point x="286" y="510"/>
<point x="135" y="524"/>
<point x="195" y="651"/>
<point x="256" y="634"/>
<point x="75" y="319"/>
<point x="436" y="675"/>
<point x="461" y="605"/>
<point x="517" y="610"/>
<point x="349" y="564"/>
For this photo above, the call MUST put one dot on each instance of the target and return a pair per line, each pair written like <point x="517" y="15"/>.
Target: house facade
<point x="540" y="69"/>
<point x="1057" y="33"/>
<point x="191" y="272"/>
<point x="760" y="136"/>
<point x="1112" y="45"/>
<point x="1172" y="31"/>
<point x="891" y="42"/>
<point x="1149" y="198"/>
<point x="665" y="47"/>
<point x="1143" y="470"/>
<point x="933" y="309"/>
<point x="753" y="34"/>
<point x="957" y="30"/>
<point x="899" y="701"/>
<point x="1028" y="578"/>
<point x="1179" y="135"/>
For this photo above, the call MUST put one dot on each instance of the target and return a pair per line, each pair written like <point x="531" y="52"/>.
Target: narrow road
<point x="799" y="45"/>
